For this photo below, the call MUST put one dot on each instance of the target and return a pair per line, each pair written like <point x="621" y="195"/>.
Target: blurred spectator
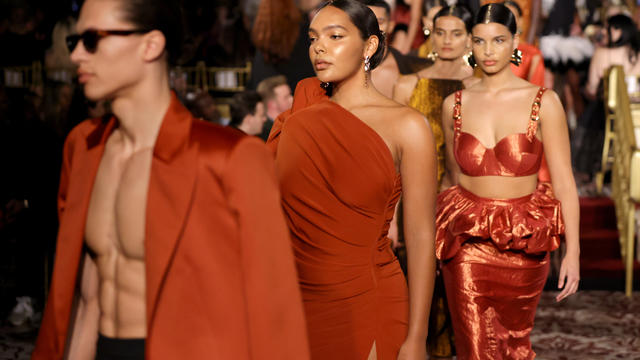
<point x="623" y="49"/>
<point x="58" y="65"/>
<point x="280" y="35"/>
<point x="248" y="113"/>
<point x="222" y="41"/>
<point x="20" y="44"/>
<point x="276" y="96"/>
<point x="203" y="105"/>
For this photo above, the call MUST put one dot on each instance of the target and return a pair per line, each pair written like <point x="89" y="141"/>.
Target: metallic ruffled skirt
<point x="495" y="257"/>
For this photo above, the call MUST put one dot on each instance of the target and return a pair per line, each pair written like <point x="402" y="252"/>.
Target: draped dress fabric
<point x="495" y="252"/>
<point x="339" y="190"/>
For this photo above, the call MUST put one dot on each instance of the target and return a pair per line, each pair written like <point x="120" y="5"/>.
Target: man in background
<point x="248" y="112"/>
<point x="276" y="96"/>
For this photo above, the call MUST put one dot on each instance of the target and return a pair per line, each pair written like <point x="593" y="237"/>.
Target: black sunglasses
<point x="90" y="38"/>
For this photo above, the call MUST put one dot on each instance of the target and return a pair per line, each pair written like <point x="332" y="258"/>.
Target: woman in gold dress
<point x="425" y="91"/>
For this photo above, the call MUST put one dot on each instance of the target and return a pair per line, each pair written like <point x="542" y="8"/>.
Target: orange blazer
<point x="220" y="276"/>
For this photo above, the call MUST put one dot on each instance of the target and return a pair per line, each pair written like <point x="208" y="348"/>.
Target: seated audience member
<point x="276" y="97"/>
<point x="247" y="112"/>
<point x="203" y="106"/>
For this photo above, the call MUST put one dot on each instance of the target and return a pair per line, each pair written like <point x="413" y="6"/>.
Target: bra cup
<point x="513" y="155"/>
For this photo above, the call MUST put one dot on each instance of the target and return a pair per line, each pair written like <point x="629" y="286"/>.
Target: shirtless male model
<point x="172" y="243"/>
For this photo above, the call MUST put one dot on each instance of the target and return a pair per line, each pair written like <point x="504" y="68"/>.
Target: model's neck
<point x="353" y="89"/>
<point x="141" y="109"/>
<point x="449" y="68"/>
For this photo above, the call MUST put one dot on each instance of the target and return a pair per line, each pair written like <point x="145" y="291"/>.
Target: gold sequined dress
<point x="427" y="97"/>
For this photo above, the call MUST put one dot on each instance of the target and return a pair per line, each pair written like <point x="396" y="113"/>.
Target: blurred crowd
<point x="577" y="41"/>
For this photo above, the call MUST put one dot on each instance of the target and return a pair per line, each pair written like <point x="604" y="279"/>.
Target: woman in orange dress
<point x="496" y="227"/>
<point x="339" y="161"/>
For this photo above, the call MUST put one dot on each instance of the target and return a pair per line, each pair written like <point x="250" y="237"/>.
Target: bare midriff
<point x="499" y="187"/>
<point x="115" y="232"/>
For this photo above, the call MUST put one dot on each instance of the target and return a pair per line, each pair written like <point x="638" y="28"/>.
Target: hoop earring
<point x="367" y="64"/>
<point x="426" y="31"/>
<point x="471" y="59"/>
<point x="516" y="57"/>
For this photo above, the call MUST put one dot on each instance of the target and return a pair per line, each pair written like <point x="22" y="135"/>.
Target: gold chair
<point x="229" y="79"/>
<point x="625" y="178"/>
<point x="609" y="138"/>
<point x="23" y="77"/>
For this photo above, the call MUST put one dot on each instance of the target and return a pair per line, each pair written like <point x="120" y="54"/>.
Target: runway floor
<point x="592" y="325"/>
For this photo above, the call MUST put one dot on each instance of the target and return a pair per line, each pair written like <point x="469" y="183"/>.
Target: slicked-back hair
<point x="496" y="13"/>
<point x="365" y="20"/>
<point x="162" y="15"/>
<point x="459" y="11"/>
<point x="379" y="3"/>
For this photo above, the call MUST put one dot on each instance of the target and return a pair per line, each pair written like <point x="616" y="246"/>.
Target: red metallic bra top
<point x="518" y="154"/>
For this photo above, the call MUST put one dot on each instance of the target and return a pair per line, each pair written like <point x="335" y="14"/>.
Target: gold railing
<point x="226" y="79"/>
<point x="28" y="76"/>
<point x="625" y="177"/>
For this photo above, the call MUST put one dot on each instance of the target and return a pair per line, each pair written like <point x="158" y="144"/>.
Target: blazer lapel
<point x="171" y="185"/>
<point x="81" y="177"/>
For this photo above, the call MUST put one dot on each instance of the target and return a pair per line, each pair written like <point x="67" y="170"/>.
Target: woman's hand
<point x="569" y="275"/>
<point x="413" y="349"/>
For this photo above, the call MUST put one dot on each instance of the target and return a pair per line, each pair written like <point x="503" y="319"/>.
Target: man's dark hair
<point x="379" y="3"/>
<point x="243" y="104"/>
<point x="162" y="15"/>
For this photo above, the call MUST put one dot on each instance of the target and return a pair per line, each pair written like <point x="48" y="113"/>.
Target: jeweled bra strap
<point x="532" y="127"/>
<point x="457" y="116"/>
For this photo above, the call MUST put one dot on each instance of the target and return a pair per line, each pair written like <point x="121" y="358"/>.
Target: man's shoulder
<point x="217" y="141"/>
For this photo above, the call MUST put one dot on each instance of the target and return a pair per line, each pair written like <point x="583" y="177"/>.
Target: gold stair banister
<point x="625" y="178"/>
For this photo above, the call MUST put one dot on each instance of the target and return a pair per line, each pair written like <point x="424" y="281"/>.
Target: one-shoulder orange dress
<point x="339" y="190"/>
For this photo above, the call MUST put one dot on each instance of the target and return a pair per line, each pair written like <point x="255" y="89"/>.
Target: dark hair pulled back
<point x="162" y="15"/>
<point x="366" y="22"/>
<point x="459" y="11"/>
<point x="496" y="13"/>
<point x="629" y="34"/>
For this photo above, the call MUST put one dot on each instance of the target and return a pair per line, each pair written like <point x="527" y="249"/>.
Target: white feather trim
<point x="562" y="49"/>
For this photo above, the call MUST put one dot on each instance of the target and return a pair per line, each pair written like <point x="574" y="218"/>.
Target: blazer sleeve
<point x="277" y="329"/>
<point x="51" y="340"/>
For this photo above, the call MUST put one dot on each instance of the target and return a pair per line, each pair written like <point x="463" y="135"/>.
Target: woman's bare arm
<point x="418" y="168"/>
<point x="555" y="136"/>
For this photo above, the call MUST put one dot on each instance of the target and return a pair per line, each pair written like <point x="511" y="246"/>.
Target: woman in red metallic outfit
<point x="496" y="227"/>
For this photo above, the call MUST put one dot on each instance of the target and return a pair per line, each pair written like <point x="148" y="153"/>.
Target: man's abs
<point x="114" y="233"/>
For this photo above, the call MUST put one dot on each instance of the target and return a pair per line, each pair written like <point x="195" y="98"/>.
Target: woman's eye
<point x="336" y="37"/>
<point x="499" y="41"/>
<point x="312" y="39"/>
